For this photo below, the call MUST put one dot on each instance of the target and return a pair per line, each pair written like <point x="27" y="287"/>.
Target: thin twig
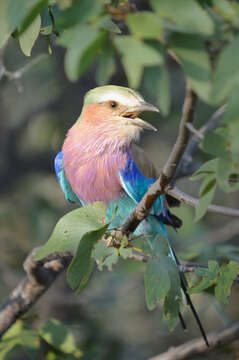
<point x="198" y="346"/>
<point x="192" y="201"/>
<point x="17" y="74"/>
<point x="184" y="267"/>
<point x="194" y="131"/>
<point x="188" y="165"/>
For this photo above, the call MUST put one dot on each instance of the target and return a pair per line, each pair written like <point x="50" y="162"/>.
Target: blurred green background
<point x="109" y="319"/>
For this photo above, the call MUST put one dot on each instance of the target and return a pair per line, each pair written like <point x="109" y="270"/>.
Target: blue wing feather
<point x="64" y="183"/>
<point x="136" y="185"/>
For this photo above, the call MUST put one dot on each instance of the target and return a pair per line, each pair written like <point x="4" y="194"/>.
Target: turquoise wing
<point x="136" y="185"/>
<point x="64" y="183"/>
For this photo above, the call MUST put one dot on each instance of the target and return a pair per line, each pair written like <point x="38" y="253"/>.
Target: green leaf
<point x="58" y="335"/>
<point x="157" y="281"/>
<point x="226" y="75"/>
<point x="156" y="80"/>
<point x="152" y="27"/>
<point x="105" y="256"/>
<point x="206" y="277"/>
<point x="207" y="191"/>
<point x="81" y="267"/>
<point x="124" y="250"/>
<point x="70" y="229"/>
<point x="80" y="12"/>
<point x="225" y="9"/>
<point x="164" y="90"/>
<point x="231" y="114"/>
<point x="133" y="71"/>
<point x="111" y="259"/>
<point x="207" y="168"/>
<point x="135" y="55"/>
<point x="137" y="51"/>
<point x="233" y="138"/>
<point x="28" y="38"/>
<point x="29" y="340"/>
<point x="225" y="280"/>
<point x="19" y="336"/>
<point x="83" y="43"/>
<point x="106" y="65"/>
<point x="191" y="52"/>
<point x="46" y="22"/>
<point x="159" y="246"/>
<point x="15" y="13"/>
<point x="225" y="167"/>
<point x="213" y="144"/>
<point x="107" y="24"/>
<point x="187" y="15"/>
<point x="207" y="185"/>
<point x="174" y="296"/>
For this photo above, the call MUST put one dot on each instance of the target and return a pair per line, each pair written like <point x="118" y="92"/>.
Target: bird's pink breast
<point x="93" y="177"/>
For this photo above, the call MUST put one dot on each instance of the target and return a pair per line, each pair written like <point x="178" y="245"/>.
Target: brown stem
<point x="192" y="201"/>
<point x="198" y="346"/>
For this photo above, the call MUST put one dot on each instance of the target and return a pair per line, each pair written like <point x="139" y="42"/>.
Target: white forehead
<point x="123" y="95"/>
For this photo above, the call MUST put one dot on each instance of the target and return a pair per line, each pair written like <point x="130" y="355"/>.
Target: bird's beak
<point x="133" y="112"/>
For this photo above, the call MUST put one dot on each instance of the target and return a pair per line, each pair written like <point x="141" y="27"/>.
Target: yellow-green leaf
<point x="28" y="38"/>
<point x="70" y="229"/>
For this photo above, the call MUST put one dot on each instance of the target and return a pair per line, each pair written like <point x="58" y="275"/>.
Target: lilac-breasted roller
<point x="99" y="161"/>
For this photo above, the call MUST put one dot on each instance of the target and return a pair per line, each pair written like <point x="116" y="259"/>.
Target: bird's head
<point x="115" y="110"/>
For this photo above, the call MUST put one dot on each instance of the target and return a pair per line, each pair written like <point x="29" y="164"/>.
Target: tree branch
<point x="40" y="276"/>
<point x="198" y="346"/>
<point x="184" y="267"/>
<point x="183" y="137"/>
<point x="192" y="201"/>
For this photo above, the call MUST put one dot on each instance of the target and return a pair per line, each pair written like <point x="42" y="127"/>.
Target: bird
<point x="101" y="161"/>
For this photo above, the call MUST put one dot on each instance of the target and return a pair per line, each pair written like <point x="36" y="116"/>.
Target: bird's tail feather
<point x="183" y="324"/>
<point x="183" y="280"/>
<point x="184" y="286"/>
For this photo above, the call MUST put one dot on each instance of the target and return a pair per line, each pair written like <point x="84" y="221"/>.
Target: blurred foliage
<point x="53" y="341"/>
<point x="151" y="46"/>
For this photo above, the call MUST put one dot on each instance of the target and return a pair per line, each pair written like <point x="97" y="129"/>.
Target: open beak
<point x="133" y="112"/>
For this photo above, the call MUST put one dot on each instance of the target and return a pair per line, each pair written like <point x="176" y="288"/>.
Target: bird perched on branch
<point x="99" y="161"/>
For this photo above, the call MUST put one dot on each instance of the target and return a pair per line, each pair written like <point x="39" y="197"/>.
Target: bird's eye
<point x="113" y="104"/>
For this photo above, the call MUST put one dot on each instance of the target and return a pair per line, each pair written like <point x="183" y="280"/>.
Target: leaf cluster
<point x="53" y="339"/>
<point x="98" y="30"/>
<point x="220" y="277"/>
<point x="82" y="230"/>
